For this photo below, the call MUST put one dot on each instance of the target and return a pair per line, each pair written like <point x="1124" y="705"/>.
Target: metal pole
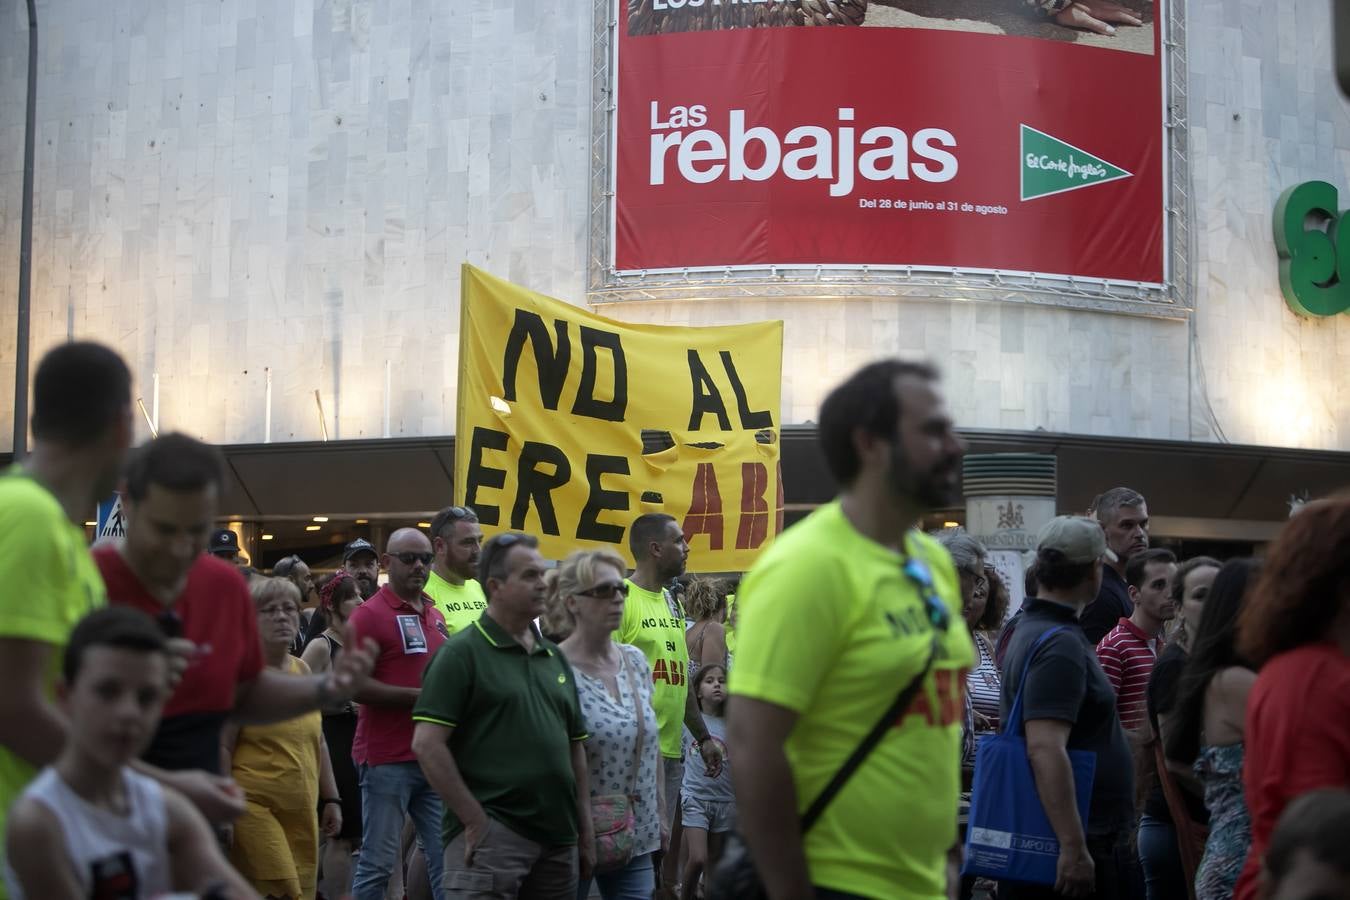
<point x="267" y="408"/>
<point x="25" y="249"/>
<point x="387" y="379"/>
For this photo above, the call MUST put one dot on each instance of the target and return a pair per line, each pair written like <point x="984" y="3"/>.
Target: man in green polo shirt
<point x="457" y="541"/>
<point x="499" y="735"/>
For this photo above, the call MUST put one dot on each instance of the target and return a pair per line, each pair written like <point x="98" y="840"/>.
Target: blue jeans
<point x="1164" y="876"/>
<point x="635" y="881"/>
<point x="388" y="794"/>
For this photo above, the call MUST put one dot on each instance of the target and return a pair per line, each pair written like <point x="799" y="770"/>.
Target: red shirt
<point x="408" y="639"/>
<point x="1297" y="739"/>
<point x="216" y="613"/>
<point x="1127" y="655"/>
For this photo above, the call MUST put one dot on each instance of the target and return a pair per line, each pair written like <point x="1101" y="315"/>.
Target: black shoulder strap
<point x="869" y="743"/>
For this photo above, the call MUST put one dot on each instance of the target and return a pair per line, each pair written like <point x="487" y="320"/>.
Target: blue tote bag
<point x="1009" y="837"/>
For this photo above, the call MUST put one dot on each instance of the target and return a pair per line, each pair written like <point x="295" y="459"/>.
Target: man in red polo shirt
<point x="1129" y="650"/>
<point x="161" y="567"/>
<point x="408" y="628"/>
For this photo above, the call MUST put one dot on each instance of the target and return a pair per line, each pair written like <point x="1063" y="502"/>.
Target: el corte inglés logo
<point x="1051" y="166"/>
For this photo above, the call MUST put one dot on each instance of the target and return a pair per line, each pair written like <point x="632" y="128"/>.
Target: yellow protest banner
<point x="571" y="425"/>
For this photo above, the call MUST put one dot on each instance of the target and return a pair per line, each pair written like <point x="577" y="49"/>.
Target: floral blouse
<point x="612" y="725"/>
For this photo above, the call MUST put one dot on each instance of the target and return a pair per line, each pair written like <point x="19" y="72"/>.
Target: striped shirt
<point x="1127" y="655"/>
<point x="984" y="685"/>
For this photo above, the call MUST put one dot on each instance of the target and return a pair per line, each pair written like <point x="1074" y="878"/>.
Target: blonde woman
<point x="283" y="769"/>
<point x="614" y="685"/>
<point x="706" y="639"/>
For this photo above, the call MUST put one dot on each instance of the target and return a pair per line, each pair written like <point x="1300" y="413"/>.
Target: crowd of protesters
<point x="449" y="717"/>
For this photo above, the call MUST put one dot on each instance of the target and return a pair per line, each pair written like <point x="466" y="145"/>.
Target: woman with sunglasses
<point x="614" y="686"/>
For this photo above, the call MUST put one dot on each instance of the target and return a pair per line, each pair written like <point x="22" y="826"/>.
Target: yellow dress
<point x="276" y="840"/>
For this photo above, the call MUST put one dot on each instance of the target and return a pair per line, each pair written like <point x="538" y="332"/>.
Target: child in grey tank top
<point x="707" y="804"/>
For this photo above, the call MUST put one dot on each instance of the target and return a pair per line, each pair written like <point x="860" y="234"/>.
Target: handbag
<point x="612" y="814"/>
<point x="1009" y="837"/>
<point x="736" y="877"/>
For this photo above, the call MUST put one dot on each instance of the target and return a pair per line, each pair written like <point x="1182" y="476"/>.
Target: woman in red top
<point x="1296" y="628"/>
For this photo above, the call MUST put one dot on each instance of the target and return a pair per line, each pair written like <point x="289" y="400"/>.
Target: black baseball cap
<point x="223" y="542"/>
<point x="360" y="545"/>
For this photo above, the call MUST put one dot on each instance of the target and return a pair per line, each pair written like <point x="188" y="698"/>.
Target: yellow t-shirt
<point x="831" y="628"/>
<point x="649" y="626"/>
<point x="49" y="583"/>
<point x="461" y="604"/>
<point x="277" y="765"/>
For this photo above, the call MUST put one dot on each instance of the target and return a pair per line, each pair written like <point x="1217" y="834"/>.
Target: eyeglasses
<point x="409" y="558"/>
<point x="455" y="513"/>
<point x="606" y="591"/>
<point x="916" y="571"/>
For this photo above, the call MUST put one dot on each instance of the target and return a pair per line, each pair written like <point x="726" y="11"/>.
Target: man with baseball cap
<point x="363" y="564"/>
<point x="224" y="544"/>
<point x="1067" y="703"/>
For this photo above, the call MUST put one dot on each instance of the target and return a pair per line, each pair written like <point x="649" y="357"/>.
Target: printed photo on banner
<point x="1117" y="24"/>
<point x="956" y="136"/>
<point x="571" y="425"/>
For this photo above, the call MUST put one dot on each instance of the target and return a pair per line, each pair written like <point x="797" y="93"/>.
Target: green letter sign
<point x="1314" y="270"/>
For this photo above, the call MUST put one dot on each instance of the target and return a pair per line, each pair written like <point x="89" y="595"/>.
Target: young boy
<point x="89" y="826"/>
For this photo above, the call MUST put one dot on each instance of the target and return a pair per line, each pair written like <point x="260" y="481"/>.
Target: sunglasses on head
<point x="498" y="546"/>
<point x="606" y="591"/>
<point x="409" y="558"/>
<point x="455" y="513"/>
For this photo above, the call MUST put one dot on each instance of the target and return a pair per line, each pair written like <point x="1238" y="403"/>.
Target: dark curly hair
<point x="996" y="602"/>
<point x="1304" y="583"/>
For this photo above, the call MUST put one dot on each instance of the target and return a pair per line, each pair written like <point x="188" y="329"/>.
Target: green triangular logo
<point x="1050" y="166"/>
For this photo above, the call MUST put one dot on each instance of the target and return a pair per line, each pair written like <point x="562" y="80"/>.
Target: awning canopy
<point x="1194" y="489"/>
<point x="1181" y="479"/>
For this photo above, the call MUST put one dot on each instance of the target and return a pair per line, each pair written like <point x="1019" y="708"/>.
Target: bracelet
<point x="327" y="800"/>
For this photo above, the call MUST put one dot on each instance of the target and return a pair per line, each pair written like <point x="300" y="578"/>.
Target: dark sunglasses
<point x="606" y="591"/>
<point x="455" y="513"/>
<point x="409" y="558"/>
<point x="916" y="571"/>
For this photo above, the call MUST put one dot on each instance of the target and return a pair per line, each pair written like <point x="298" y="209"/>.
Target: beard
<point x="933" y="488"/>
<point x="366" y="588"/>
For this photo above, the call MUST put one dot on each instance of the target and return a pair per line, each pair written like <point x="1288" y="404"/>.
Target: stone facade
<point x="228" y="187"/>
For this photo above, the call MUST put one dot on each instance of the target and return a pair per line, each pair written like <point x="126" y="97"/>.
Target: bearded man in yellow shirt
<point x="846" y="608"/>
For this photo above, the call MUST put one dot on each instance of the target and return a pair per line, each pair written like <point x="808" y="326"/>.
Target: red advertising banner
<point x="1009" y="143"/>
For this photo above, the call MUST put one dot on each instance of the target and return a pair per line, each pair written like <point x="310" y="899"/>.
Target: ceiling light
<point x="313" y="527"/>
<point x="267" y="537"/>
<point x="951" y="524"/>
<point x="362" y="521"/>
<point x="423" y="524"/>
<point x="320" y="518"/>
